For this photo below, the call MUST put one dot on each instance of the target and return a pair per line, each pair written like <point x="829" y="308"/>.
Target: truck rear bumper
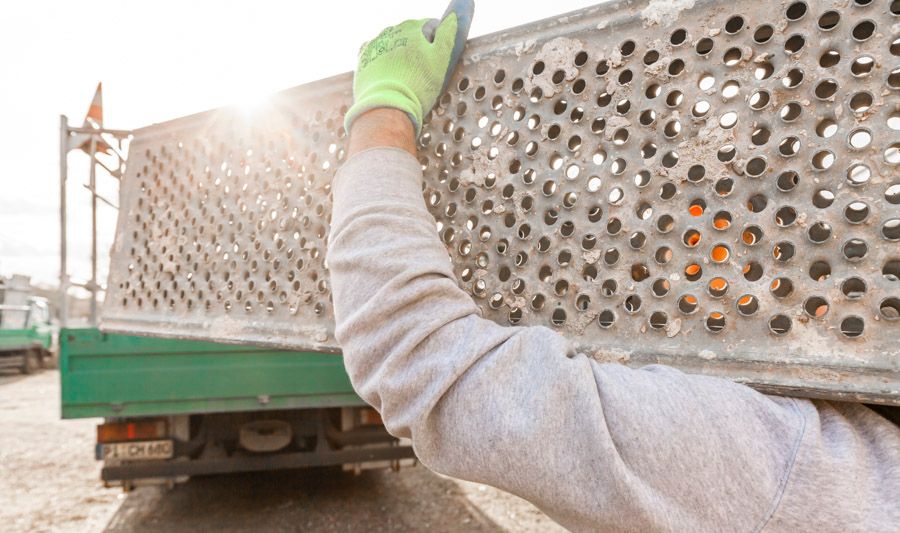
<point x="231" y="465"/>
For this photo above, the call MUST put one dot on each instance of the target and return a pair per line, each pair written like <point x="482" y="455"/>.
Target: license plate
<point x="139" y="450"/>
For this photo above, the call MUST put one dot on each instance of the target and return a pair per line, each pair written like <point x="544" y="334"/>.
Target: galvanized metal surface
<point x="713" y="186"/>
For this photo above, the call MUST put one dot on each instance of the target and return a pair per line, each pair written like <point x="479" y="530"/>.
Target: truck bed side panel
<point x="108" y="375"/>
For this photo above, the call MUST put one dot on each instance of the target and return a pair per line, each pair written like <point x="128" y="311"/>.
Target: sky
<point x="157" y="61"/>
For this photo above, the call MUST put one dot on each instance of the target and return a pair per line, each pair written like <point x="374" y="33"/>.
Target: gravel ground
<point x="49" y="481"/>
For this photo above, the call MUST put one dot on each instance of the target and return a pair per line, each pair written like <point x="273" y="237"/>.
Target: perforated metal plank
<point x="713" y="187"/>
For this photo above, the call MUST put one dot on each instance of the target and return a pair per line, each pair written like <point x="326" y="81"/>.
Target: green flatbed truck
<point x="175" y="408"/>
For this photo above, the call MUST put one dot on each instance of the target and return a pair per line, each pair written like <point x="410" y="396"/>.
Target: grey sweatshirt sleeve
<point x="595" y="446"/>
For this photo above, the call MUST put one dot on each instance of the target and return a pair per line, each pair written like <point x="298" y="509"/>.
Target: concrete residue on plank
<point x="556" y="55"/>
<point x="707" y="355"/>
<point x="664" y="12"/>
<point x="480" y="166"/>
<point x="612" y="355"/>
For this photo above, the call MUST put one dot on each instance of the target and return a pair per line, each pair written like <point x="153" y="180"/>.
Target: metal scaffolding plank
<point x="709" y="184"/>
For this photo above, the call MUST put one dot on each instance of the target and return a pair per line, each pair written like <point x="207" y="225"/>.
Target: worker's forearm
<point x="382" y="128"/>
<point x="393" y="287"/>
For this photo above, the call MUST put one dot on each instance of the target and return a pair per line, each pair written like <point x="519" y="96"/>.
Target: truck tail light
<point x="153" y="428"/>
<point x="370" y="417"/>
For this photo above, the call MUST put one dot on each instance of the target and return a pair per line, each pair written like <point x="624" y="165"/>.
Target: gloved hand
<point x="407" y="66"/>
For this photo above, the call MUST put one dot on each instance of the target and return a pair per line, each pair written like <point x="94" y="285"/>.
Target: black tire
<point x="46" y="358"/>
<point x="30" y="362"/>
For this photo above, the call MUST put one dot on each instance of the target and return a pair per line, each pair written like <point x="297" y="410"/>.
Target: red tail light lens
<point x="151" y="428"/>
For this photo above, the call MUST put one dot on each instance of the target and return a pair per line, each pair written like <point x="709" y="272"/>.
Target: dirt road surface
<point x="49" y="481"/>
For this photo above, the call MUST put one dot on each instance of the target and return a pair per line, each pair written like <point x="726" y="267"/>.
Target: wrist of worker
<point x="381" y="167"/>
<point x="382" y="127"/>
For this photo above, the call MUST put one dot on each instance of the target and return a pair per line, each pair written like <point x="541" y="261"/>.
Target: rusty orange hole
<point x="745" y="300"/>
<point x="717" y="284"/>
<point x="715" y="315"/>
<point x="691" y="239"/>
<point x="692" y="300"/>
<point x="721" y="223"/>
<point x="775" y="284"/>
<point x="719" y="253"/>
<point x="749" y="237"/>
<point x="696" y="210"/>
<point x="692" y="269"/>
<point x="821" y="310"/>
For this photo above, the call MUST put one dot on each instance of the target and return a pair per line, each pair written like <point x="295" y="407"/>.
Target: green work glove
<point x="407" y="66"/>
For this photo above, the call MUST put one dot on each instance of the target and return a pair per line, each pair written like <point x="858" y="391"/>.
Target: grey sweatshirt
<point x="597" y="447"/>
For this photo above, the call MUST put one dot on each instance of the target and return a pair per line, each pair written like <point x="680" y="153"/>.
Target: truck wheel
<point x="30" y="362"/>
<point x="47" y="358"/>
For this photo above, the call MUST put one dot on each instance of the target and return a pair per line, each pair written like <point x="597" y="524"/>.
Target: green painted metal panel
<point x="105" y="375"/>
<point x="14" y="339"/>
